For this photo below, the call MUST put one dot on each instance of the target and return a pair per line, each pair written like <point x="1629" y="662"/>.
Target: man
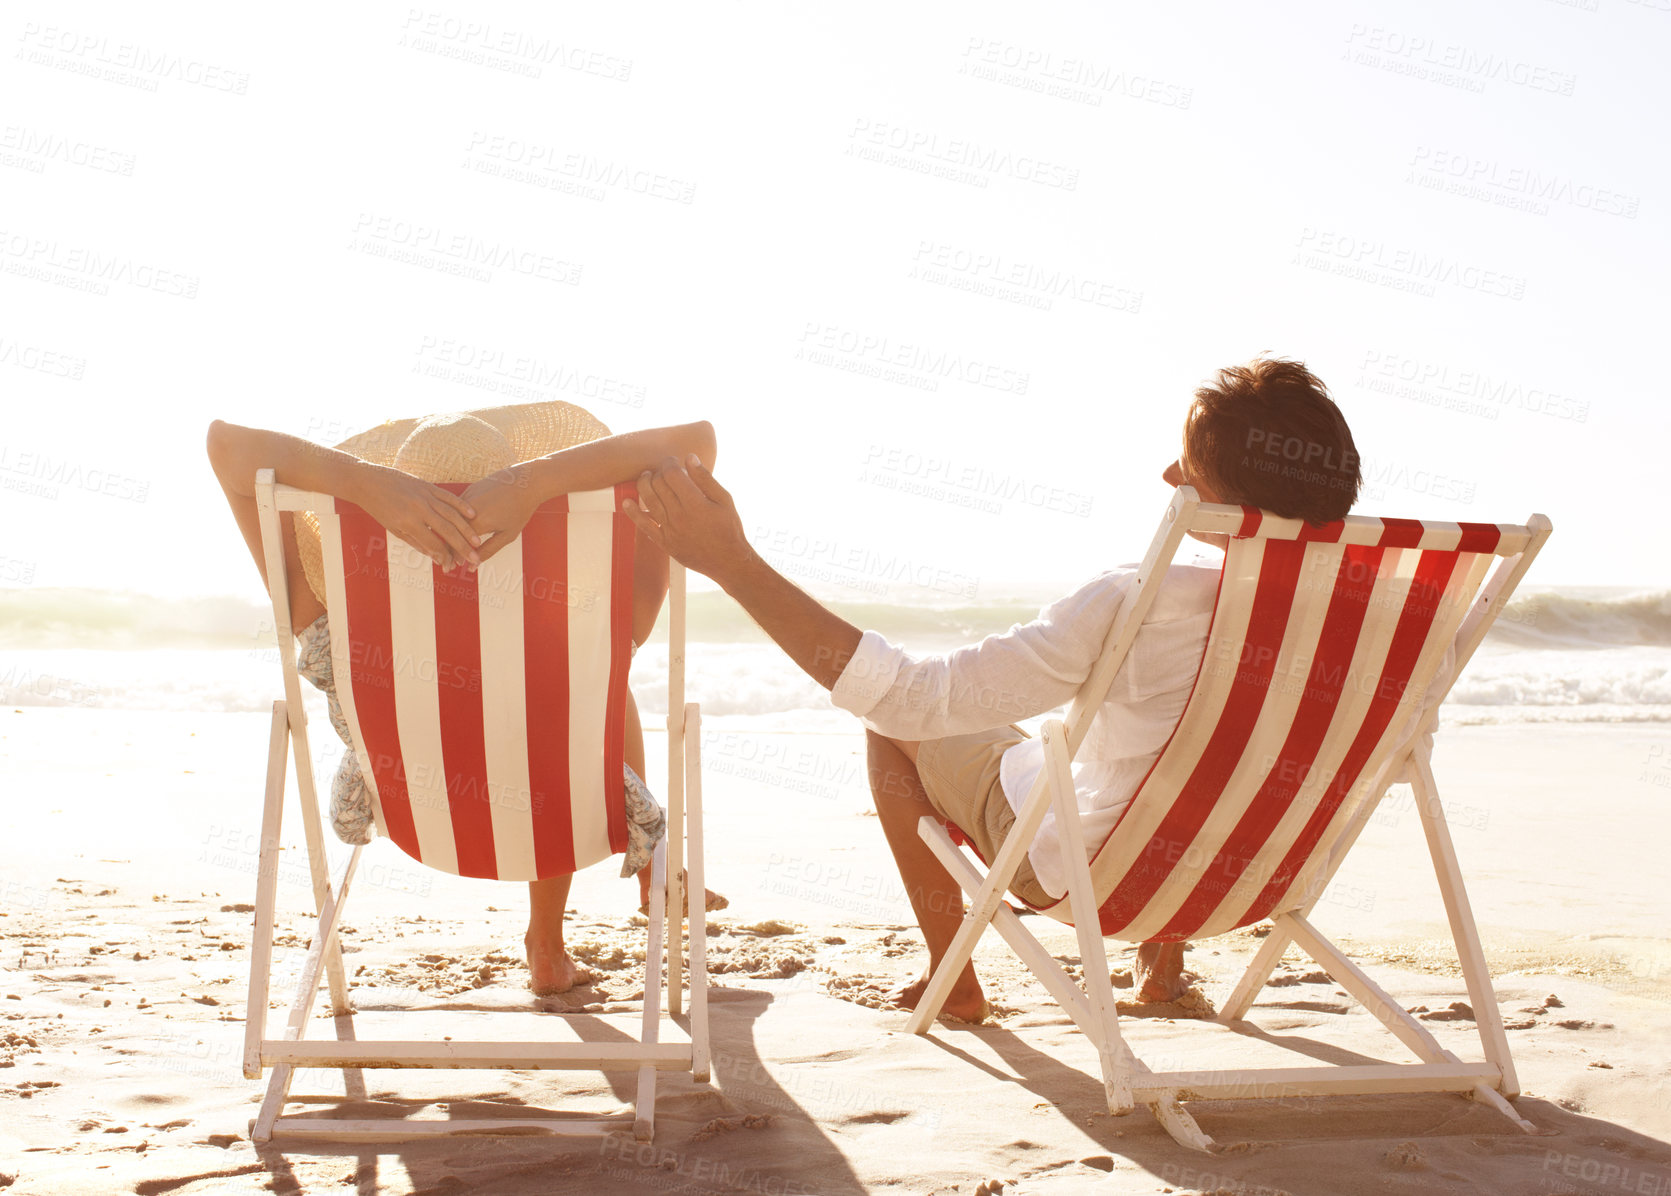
<point x="939" y="734"/>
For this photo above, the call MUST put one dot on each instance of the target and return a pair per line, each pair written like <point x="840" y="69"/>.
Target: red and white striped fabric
<point x="1324" y="642"/>
<point x="488" y="709"/>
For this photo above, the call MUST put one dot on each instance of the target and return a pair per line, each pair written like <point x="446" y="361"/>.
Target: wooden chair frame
<point x="1126" y="1079"/>
<point x="663" y="979"/>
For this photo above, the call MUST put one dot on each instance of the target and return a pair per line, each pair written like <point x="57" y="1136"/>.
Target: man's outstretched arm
<point x="692" y="518"/>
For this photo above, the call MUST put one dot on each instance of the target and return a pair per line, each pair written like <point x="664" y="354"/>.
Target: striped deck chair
<point x="1321" y="675"/>
<point x="487" y="712"/>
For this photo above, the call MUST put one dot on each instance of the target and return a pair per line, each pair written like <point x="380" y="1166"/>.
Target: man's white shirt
<point x="1036" y="667"/>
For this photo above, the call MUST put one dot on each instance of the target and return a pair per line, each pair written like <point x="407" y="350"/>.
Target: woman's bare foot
<point x="966" y="1003"/>
<point x="1159" y="972"/>
<point x="553" y="971"/>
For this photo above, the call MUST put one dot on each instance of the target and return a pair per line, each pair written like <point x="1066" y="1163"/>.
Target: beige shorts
<point x="960" y="775"/>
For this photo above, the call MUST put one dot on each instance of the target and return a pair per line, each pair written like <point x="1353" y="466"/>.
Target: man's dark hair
<point x="1267" y="434"/>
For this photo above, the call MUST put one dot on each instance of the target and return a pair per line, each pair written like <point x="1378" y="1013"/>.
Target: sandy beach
<point x="129" y="857"/>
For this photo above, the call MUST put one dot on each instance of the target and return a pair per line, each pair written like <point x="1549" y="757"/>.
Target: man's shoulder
<point x="1189" y="587"/>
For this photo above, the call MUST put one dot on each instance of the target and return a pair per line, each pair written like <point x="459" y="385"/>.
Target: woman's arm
<point x="506" y="501"/>
<point x="425" y="516"/>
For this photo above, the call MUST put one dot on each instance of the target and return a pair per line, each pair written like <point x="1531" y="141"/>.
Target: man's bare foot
<point x="551" y="972"/>
<point x="1159" y="972"/>
<point x="961" y="1004"/>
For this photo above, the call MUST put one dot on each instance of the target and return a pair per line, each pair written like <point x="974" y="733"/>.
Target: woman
<point x="534" y="452"/>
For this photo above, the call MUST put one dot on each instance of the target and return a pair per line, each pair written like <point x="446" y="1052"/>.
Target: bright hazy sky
<point x="1042" y="224"/>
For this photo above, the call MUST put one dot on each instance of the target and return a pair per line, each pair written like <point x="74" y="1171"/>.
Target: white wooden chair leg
<point x="699" y="1063"/>
<point x="266" y="894"/>
<point x="278" y="590"/>
<point x="1093" y="955"/>
<point x="655" y="957"/>
<point x="1487" y="1017"/>
<point x="1175" y="1120"/>
<point x="1258" y="972"/>
<point x="278" y="1091"/>
<point x="1490" y="1096"/>
<point x="1027" y="948"/>
<point x="319" y="952"/>
<point x="983" y="905"/>
<point x="961" y="950"/>
<point x="318" y="861"/>
<point x="1381" y="1005"/>
<point x="676" y="898"/>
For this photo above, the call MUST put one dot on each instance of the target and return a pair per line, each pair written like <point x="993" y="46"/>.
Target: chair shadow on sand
<point x="680" y="1158"/>
<point x="1265" y="1148"/>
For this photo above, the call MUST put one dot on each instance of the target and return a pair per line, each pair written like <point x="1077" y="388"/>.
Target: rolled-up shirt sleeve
<point x="1027" y="670"/>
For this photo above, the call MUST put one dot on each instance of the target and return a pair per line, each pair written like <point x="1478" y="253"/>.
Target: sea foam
<point x="1554" y="655"/>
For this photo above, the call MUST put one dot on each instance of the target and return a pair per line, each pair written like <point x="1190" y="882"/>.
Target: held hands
<point x="504" y="503"/>
<point x="680" y="508"/>
<point x="691" y="517"/>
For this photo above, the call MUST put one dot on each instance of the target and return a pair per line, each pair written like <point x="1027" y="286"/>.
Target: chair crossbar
<point x="1228" y="520"/>
<point x="532" y="1055"/>
<point x="1265" y="1083"/>
<point x="394" y="1129"/>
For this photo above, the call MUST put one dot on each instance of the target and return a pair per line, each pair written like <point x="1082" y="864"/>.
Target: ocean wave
<point x="1553" y="619"/>
<point x="1571" y="677"/>
<point x="757" y="682"/>
<point x="106" y="619"/>
<point x="118" y="619"/>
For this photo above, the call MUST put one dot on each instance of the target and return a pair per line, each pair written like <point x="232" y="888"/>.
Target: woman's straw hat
<point x="460" y="446"/>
